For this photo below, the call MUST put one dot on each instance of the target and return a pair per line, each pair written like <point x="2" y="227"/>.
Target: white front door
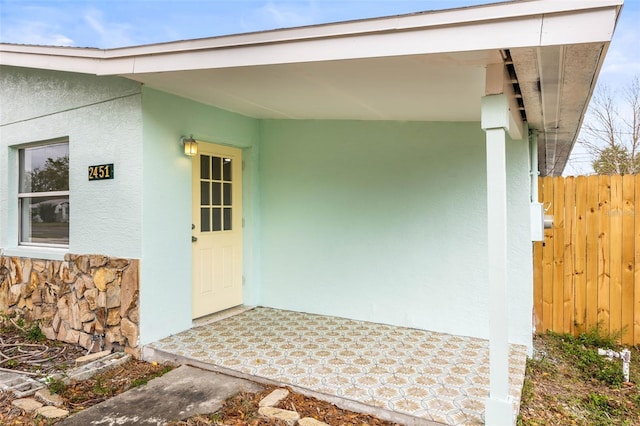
<point x="217" y="229"/>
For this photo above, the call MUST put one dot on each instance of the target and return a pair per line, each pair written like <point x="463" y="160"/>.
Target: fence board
<point x="636" y="280"/>
<point x="587" y="272"/>
<point x="592" y="250"/>
<point x="547" y="262"/>
<point x="567" y="255"/>
<point x="558" y="254"/>
<point x="580" y="280"/>
<point x="537" y="278"/>
<point x="615" y="261"/>
<point x="604" y="248"/>
<point x="537" y="286"/>
<point x="628" y="261"/>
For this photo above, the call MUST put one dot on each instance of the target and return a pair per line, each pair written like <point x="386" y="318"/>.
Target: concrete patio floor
<point x="402" y="374"/>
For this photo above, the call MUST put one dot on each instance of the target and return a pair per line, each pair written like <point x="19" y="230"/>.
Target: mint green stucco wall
<point x="386" y="222"/>
<point x="379" y="221"/>
<point x="102" y="119"/>
<point x="165" y="295"/>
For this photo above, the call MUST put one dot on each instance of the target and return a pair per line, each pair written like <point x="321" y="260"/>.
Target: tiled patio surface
<point x="433" y="376"/>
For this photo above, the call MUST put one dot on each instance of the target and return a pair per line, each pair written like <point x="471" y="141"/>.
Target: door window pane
<point x="215" y="168"/>
<point x="216" y="200"/>
<point x="205" y="199"/>
<point x="204" y="167"/>
<point x="227" y="219"/>
<point x="217" y="226"/>
<point x="205" y="220"/>
<point x="216" y="192"/>
<point x="227" y="194"/>
<point x="226" y="169"/>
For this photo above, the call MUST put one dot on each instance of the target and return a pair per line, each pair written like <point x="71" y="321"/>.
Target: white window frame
<point x="22" y="196"/>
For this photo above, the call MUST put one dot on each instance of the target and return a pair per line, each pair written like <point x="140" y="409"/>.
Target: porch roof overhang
<point x="428" y="66"/>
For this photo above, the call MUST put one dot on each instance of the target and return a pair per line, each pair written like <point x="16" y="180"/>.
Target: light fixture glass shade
<point x="190" y="146"/>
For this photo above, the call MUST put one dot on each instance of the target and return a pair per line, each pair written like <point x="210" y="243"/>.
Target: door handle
<point x="194" y="239"/>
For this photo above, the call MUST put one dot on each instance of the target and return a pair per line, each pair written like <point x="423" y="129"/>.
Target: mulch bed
<point x="24" y="348"/>
<point x="242" y="410"/>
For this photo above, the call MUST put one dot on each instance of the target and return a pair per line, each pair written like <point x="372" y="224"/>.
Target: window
<point x="215" y="193"/>
<point x="43" y="195"/>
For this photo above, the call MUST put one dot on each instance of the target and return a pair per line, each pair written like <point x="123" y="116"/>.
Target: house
<point x="382" y="170"/>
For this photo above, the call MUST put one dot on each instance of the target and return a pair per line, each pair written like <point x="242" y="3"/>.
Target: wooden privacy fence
<point x="587" y="272"/>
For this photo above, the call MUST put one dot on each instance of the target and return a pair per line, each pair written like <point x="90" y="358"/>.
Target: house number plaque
<point x="101" y="172"/>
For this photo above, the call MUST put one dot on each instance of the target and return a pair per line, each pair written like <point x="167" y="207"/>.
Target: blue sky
<point x="117" y="23"/>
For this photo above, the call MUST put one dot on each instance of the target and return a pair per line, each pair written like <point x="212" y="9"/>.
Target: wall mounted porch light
<point x="190" y="145"/>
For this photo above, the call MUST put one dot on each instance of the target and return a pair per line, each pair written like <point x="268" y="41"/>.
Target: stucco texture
<point x="165" y="294"/>
<point x="102" y="119"/>
<point x="377" y="221"/>
<point x="386" y="222"/>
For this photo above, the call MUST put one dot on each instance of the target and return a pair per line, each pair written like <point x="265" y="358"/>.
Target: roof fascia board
<point x="528" y="23"/>
<point x="409" y="22"/>
<point x="595" y="25"/>
<point x="538" y="30"/>
<point x="79" y="52"/>
<point x="82" y="65"/>
<point x="446" y="39"/>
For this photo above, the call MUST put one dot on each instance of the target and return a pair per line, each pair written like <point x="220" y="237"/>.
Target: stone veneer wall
<point x="75" y="299"/>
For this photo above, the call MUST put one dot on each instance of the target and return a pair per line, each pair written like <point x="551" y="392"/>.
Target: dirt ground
<point x="558" y="392"/>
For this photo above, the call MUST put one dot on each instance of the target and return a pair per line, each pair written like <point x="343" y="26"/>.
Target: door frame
<point x="237" y="213"/>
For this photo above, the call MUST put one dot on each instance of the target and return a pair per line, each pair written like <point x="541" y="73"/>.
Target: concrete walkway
<point x="181" y="393"/>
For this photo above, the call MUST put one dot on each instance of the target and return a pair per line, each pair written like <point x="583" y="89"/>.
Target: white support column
<point x="495" y="122"/>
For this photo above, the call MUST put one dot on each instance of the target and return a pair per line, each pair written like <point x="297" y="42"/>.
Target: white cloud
<point x="34" y="32"/>
<point x="280" y="15"/>
<point x="109" y="34"/>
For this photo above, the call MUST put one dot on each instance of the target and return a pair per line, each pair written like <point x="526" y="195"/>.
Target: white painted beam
<point x="498" y="82"/>
<point x="499" y="408"/>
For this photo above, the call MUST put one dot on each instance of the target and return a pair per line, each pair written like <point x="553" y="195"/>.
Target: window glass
<point x="216" y="194"/>
<point x="226" y="169"/>
<point x="227" y="194"/>
<point x="227" y="220"/>
<point x="44" y="168"/>
<point x="217" y="218"/>
<point x="45" y="220"/>
<point x="43" y="196"/>
<point x="205" y="219"/>
<point x="215" y="168"/>
<point x="204" y="193"/>
<point x="204" y="167"/>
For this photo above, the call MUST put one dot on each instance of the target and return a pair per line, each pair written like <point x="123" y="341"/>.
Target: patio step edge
<point x="151" y="354"/>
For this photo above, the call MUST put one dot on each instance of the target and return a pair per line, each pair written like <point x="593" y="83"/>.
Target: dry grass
<point x="563" y="388"/>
